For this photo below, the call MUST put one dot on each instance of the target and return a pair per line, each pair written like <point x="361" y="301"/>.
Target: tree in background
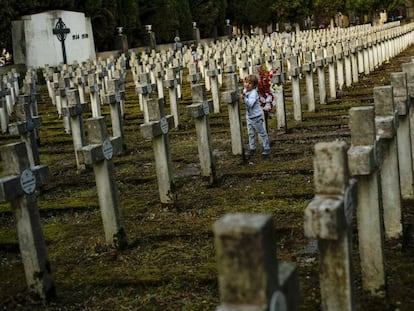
<point x="174" y="17"/>
<point x="249" y="13"/>
<point x="167" y="17"/>
<point x="293" y="12"/>
<point x="209" y="16"/>
<point x="363" y="10"/>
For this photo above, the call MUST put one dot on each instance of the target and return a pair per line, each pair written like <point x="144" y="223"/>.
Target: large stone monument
<point x="52" y="37"/>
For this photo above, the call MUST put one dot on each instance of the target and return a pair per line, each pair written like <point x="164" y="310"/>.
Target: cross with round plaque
<point x="107" y="149"/>
<point x="164" y="125"/>
<point x="28" y="181"/>
<point x="117" y="96"/>
<point x="206" y="108"/>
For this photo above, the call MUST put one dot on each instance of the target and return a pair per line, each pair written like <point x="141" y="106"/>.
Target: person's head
<point x="250" y="82"/>
<point x="176" y="39"/>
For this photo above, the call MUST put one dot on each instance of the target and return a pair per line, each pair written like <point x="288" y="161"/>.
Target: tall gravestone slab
<point x="52" y="37"/>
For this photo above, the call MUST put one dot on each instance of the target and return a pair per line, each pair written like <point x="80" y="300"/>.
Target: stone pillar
<point x="278" y="79"/>
<point x="99" y="154"/>
<point x="362" y="161"/>
<point x="19" y="188"/>
<point x="74" y="112"/>
<point x="94" y="89"/>
<point x="171" y="84"/>
<point x="386" y="119"/>
<point x="200" y="111"/>
<point x="330" y="59"/>
<point x="320" y="65"/>
<point x="328" y="218"/>
<point x="408" y="68"/>
<point x="25" y="127"/>
<point x="113" y="97"/>
<point x="230" y="96"/>
<point x="308" y="68"/>
<point x="250" y="277"/>
<point x="405" y="161"/>
<point x="157" y="130"/>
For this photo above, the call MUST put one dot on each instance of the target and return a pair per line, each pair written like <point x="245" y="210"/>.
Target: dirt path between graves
<point x="169" y="263"/>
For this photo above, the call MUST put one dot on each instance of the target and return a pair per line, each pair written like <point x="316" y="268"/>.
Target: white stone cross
<point x="18" y="187"/>
<point x="99" y="154"/>
<point x="328" y="218"/>
<point x="200" y="111"/>
<point x="405" y="161"/>
<point x="114" y="97"/>
<point x="94" y="90"/>
<point x="231" y="97"/>
<point x="26" y="126"/>
<point x="386" y="122"/>
<point x="363" y="165"/>
<point x="249" y="275"/>
<point x="74" y="111"/>
<point x="157" y="129"/>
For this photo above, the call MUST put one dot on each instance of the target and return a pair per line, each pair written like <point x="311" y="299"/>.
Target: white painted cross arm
<point x="26" y="182"/>
<point x="200" y="110"/>
<point x="94" y="153"/>
<point x="153" y="129"/>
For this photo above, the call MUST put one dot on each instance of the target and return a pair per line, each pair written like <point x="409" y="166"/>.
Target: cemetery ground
<point x="169" y="263"/>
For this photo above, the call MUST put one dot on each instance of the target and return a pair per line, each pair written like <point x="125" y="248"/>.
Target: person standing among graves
<point x="193" y="49"/>
<point x="254" y="115"/>
<point x="177" y="45"/>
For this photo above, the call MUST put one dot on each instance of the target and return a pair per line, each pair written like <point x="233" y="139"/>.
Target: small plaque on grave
<point x="164" y="125"/>
<point x="96" y="88"/>
<point x="107" y="149"/>
<point x="206" y="108"/>
<point x="30" y="125"/>
<point x="117" y="97"/>
<point x="149" y="88"/>
<point x="28" y="181"/>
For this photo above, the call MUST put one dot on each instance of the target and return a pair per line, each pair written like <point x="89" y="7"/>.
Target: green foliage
<point x="174" y="17"/>
<point x="292" y="11"/>
<point x="209" y="15"/>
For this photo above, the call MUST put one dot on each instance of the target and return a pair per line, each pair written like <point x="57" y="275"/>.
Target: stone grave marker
<point x="386" y="122"/>
<point x="18" y="187"/>
<point x="171" y="84"/>
<point x="200" y="111"/>
<point x="26" y="126"/>
<point x="249" y="275"/>
<point x="74" y="111"/>
<point x="113" y="97"/>
<point x="363" y="165"/>
<point x="157" y="129"/>
<point x="328" y="218"/>
<point x="308" y="68"/>
<point x="94" y="90"/>
<point x="99" y="154"/>
<point x="144" y="90"/>
<point x="4" y="111"/>
<point x="294" y="74"/>
<point x="405" y="161"/>
<point x="231" y="97"/>
<point x="320" y="68"/>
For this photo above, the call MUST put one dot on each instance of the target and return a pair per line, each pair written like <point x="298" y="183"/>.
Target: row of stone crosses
<point x="371" y="176"/>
